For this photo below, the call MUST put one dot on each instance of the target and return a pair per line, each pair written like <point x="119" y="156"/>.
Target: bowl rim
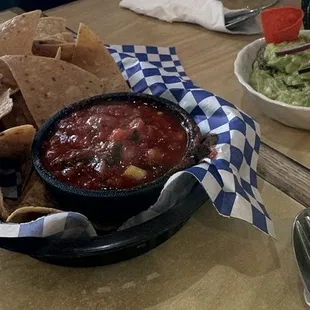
<point x="194" y="137"/>
<point x="239" y="62"/>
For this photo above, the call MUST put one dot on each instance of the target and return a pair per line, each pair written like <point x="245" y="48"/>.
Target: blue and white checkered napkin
<point x="230" y="179"/>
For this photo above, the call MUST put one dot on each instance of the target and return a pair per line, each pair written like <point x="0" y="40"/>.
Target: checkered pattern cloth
<point x="230" y="179"/>
<point x="10" y="179"/>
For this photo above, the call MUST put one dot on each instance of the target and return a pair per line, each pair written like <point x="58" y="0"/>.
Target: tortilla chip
<point x="59" y="38"/>
<point x="6" y="103"/>
<point x="34" y="194"/>
<point x="54" y="40"/>
<point x="91" y="55"/>
<point x="1" y="202"/>
<point x="17" y="34"/>
<point x="26" y="171"/>
<point x="28" y="214"/>
<point x="58" y="54"/>
<point x="48" y="85"/>
<point x="7" y="207"/>
<point x="16" y="141"/>
<point x="50" y="29"/>
<point x="50" y="26"/>
<point x="18" y="116"/>
<point x="68" y="36"/>
<point x="7" y="80"/>
<point x="50" y="50"/>
<point x="37" y="194"/>
<point x="3" y="88"/>
<point x="15" y="118"/>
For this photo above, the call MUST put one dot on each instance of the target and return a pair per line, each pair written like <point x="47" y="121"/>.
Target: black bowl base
<point x="114" y="247"/>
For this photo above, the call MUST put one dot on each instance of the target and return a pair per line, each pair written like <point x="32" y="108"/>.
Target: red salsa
<point x="115" y="145"/>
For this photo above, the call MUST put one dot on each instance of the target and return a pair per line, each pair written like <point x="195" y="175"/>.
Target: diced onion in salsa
<point x="134" y="172"/>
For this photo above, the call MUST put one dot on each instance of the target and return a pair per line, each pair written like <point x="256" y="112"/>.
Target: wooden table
<point x="213" y="262"/>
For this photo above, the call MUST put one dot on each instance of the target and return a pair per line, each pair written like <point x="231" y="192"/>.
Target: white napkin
<point x="206" y="13"/>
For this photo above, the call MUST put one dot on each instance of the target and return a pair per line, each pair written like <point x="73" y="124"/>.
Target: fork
<point x="301" y="249"/>
<point x="233" y="18"/>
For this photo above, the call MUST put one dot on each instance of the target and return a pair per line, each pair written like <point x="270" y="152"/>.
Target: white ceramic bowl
<point x="294" y="116"/>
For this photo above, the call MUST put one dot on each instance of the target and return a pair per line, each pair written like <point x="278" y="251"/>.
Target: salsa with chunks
<point x="114" y="145"/>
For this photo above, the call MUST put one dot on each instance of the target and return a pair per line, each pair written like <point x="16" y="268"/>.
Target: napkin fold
<point x="206" y="13"/>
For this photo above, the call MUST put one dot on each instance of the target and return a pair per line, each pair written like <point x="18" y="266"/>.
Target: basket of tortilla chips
<point x="32" y="47"/>
<point x="43" y="68"/>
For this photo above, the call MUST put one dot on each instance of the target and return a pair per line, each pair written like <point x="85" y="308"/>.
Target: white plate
<point x="294" y="116"/>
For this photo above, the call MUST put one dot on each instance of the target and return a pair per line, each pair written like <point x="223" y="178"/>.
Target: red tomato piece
<point x="119" y="135"/>
<point x="137" y="124"/>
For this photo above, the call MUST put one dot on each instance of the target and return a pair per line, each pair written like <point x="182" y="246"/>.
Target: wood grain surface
<point x="288" y="175"/>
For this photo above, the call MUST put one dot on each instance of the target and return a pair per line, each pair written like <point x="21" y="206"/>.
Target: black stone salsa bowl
<point x="103" y="206"/>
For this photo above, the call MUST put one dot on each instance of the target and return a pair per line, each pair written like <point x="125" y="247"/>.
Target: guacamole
<point x="277" y="76"/>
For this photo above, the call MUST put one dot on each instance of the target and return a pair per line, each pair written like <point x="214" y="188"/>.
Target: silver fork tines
<point x="307" y="218"/>
<point x="304" y="238"/>
<point x="234" y="18"/>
